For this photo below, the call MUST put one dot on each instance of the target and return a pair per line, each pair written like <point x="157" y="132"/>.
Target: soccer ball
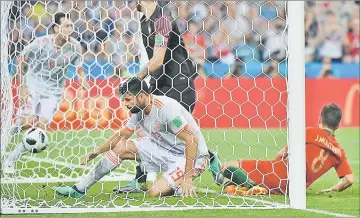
<point x="35" y="140"/>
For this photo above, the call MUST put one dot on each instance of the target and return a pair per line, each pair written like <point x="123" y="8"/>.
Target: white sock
<point x="16" y="127"/>
<point x="15" y="154"/>
<point x="107" y="164"/>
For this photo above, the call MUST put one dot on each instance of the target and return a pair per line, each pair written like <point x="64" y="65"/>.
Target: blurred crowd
<point x="332" y="33"/>
<point x="232" y="33"/>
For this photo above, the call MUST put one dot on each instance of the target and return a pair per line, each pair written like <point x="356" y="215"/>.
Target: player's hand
<point x="90" y="157"/>
<point x="325" y="191"/>
<point x="188" y="189"/>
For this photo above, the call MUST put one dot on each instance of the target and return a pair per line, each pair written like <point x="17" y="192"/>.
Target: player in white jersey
<point x="47" y="59"/>
<point x="174" y="144"/>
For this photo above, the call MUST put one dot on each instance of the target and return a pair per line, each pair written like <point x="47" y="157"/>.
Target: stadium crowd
<point x="229" y="36"/>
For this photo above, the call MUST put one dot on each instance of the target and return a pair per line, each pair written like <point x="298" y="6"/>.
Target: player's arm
<point x="82" y="78"/>
<point x="163" y="27"/>
<point x="191" y="141"/>
<point x="343" y="184"/>
<point x="77" y="61"/>
<point x="179" y="126"/>
<point x="344" y="172"/>
<point x="125" y="133"/>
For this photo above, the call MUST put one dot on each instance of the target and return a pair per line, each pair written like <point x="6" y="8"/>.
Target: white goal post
<point x="82" y="124"/>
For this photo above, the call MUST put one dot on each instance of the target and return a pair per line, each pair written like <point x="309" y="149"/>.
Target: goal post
<point x="250" y="99"/>
<point x="296" y="104"/>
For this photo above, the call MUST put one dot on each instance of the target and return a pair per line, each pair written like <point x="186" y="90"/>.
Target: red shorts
<point x="271" y="175"/>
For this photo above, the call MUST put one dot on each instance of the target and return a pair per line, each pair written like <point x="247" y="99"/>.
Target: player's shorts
<point x="271" y="175"/>
<point x="155" y="158"/>
<point x="42" y="106"/>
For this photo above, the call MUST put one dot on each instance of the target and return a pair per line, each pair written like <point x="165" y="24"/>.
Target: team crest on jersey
<point x="177" y="122"/>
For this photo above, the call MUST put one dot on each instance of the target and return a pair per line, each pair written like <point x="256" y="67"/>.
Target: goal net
<point x="240" y="50"/>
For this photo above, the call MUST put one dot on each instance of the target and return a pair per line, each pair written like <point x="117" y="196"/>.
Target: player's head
<point x="63" y="26"/>
<point x="135" y="94"/>
<point x="331" y="115"/>
<point x="144" y="5"/>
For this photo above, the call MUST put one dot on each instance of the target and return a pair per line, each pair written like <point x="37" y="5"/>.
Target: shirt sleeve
<point x="343" y="168"/>
<point x="132" y="123"/>
<point x="77" y="58"/>
<point x="175" y="120"/>
<point x="30" y="51"/>
<point x="163" y="28"/>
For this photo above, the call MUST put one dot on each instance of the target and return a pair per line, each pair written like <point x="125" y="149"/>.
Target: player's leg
<point x="258" y="176"/>
<point x="124" y="150"/>
<point x="26" y="118"/>
<point x="138" y="184"/>
<point x="169" y="183"/>
<point x="152" y="161"/>
<point x="236" y="176"/>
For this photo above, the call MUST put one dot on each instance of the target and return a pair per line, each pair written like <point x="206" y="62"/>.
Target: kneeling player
<point x="322" y="153"/>
<point x="174" y="144"/>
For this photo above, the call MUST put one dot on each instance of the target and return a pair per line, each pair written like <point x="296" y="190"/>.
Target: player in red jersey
<point x="322" y="153"/>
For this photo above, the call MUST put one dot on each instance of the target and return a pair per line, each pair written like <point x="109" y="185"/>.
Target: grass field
<point x="231" y="144"/>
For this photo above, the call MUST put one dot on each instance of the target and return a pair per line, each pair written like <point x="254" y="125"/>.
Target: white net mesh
<point x="239" y="49"/>
<point x="6" y="95"/>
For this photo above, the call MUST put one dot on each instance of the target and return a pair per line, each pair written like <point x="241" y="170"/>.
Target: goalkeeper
<point x="170" y="69"/>
<point x="174" y="144"/>
<point x="322" y="153"/>
<point x="47" y="59"/>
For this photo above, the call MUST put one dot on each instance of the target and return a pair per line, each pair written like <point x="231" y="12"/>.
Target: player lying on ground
<point x="322" y="153"/>
<point x="170" y="70"/>
<point x="47" y="59"/>
<point x="173" y="144"/>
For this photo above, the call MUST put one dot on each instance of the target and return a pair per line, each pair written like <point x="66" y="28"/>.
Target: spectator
<point x="330" y="38"/>
<point x="183" y="17"/>
<point x="118" y="50"/>
<point x="237" y="24"/>
<point x="311" y="28"/>
<point x="326" y="70"/>
<point x="196" y="44"/>
<point x="352" y="43"/>
<point x="275" y="41"/>
<point x="223" y="51"/>
<point x="230" y="32"/>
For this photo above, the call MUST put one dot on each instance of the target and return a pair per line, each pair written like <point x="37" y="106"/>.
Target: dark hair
<point x="133" y="86"/>
<point x="331" y="116"/>
<point x="57" y="18"/>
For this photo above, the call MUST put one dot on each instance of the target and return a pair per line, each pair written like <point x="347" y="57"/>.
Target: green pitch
<point x="67" y="148"/>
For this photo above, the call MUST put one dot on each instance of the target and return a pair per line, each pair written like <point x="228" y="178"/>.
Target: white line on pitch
<point x="61" y="163"/>
<point x="327" y="213"/>
<point x="273" y="204"/>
